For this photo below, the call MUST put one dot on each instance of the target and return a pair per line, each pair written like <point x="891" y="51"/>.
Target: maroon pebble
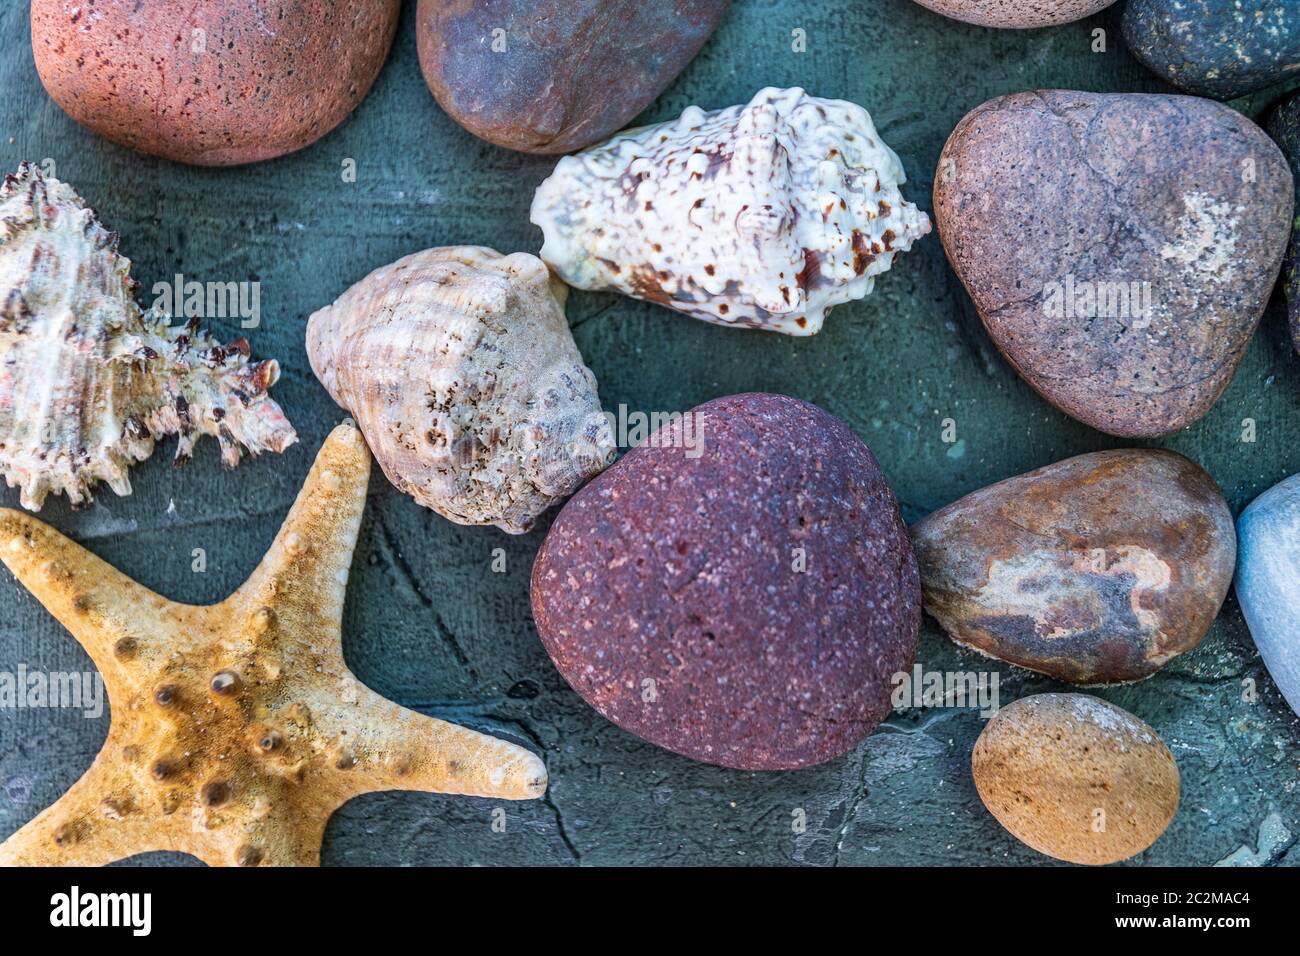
<point x="669" y="594"/>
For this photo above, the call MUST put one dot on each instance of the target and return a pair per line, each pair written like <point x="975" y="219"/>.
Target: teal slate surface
<point x="427" y="621"/>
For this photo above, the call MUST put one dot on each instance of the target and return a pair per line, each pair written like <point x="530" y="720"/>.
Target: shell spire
<point x="765" y="215"/>
<point x="87" y="380"/>
<point x="460" y="368"/>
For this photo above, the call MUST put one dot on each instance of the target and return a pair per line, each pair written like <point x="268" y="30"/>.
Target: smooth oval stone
<point x="745" y="601"/>
<point x="1284" y="127"/>
<point x="1268" y="582"/>
<point x="1120" y="248"/>
<point x="1076" y="777"/>
<point x="1095" y="570"/>
<point x="1217" y="48"/>
<point x="1016" y="14"/>
<point x="212" y="84"/>
<point x="553" y="76"/>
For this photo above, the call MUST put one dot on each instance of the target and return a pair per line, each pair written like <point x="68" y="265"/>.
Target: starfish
<point x="236" y="728"/>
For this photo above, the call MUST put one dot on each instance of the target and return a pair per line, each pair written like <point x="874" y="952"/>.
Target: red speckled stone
<point x="666" y="592"/>
<point x="213" y="84"/>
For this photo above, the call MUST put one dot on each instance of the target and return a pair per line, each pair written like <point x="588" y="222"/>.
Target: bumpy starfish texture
<point x="237" y="729"/>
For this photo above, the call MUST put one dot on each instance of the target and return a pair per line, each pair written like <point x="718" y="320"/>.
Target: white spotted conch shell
<point x="88" y="381"/>
<point x="459" y="366"/>
<point x="764" y="215"/>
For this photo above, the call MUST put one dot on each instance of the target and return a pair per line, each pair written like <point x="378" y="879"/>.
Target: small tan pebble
<point x="1076" y="778"/>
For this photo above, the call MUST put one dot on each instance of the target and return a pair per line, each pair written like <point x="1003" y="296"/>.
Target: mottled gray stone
<point x="1268" y="582"/>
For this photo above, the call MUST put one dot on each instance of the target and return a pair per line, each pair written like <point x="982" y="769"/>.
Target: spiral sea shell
<point x="764" y="215"/>
<point x="88" y="381"/>
<point x="459" y="366"/>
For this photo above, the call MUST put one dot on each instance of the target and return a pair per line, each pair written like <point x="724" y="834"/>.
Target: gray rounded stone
<point x="1217" y="48"/>
<point x="1268" y="582"/>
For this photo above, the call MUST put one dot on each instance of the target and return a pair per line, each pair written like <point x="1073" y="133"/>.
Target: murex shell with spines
<point x="87" y="380"/>
<point x="764" y="215"/>
<point x="460" y="368"/>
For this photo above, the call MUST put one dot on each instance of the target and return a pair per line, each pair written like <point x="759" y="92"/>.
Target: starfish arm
<point x="286" y="833"/>
<point x="107" y="612"/>
<point x="302" y="579"/>
<point x="237" y="728"/>
<point x="95" y="822"/>
<point x="380" y="745"/>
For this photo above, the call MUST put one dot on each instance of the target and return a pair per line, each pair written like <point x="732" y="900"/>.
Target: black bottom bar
<point x="333" y="905"/>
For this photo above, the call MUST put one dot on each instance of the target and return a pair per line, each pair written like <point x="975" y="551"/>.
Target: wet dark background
<point x="428" y="623"/>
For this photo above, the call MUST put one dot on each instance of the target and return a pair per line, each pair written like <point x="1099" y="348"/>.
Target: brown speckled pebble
<point x="667" y="595"/>
<point x="1018" y="14"/>
<point x="213" y="84"/>
<point x="1076" y="777"/>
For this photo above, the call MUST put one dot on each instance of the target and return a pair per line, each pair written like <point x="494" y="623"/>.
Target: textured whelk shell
<point x="459" y="366"/>
<point x="765" y="215"/>
<point x="88" y="381"/>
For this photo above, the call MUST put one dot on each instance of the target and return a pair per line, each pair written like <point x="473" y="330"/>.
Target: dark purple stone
<point x="553" y="76"/>
<point x="668" y="596"/>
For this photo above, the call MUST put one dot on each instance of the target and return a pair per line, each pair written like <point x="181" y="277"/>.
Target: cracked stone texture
<point x="429" y="624"/>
